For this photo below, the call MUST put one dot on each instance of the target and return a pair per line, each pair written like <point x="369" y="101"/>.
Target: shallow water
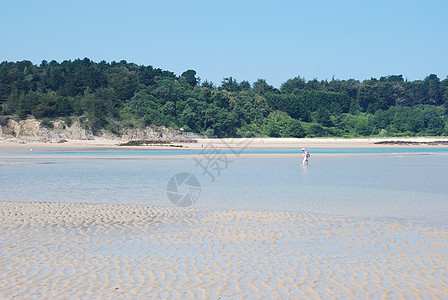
<point x="388" y="241"/>
<point x="174" y="151"/>
<point x="399" y="186"/>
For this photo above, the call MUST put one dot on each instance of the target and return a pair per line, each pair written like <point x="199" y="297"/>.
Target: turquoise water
<point x="174" y="152"/>
<point x="399" y="186"/>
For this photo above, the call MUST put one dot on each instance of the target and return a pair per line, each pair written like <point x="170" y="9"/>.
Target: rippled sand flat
<point x="62" y="250"/>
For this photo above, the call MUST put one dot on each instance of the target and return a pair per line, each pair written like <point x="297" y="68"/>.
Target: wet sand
<point x="65" y="250"/>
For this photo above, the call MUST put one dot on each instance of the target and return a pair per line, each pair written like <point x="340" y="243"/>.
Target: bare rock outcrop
<point x="158" y="133"/>
<point x="32" y="129"/>
<point x="53" y="131"/>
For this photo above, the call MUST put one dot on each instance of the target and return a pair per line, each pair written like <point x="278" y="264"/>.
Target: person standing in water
<point x="305" y="156"/>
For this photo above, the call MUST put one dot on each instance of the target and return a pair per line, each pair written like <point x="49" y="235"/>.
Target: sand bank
<point x="237" y="144"/>
<point x="63" y="250"/>
<point x="316" y="142"/>
<point x="234" y="148"/>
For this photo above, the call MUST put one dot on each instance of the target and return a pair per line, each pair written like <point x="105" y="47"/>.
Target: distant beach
<point x="8" y="145"/>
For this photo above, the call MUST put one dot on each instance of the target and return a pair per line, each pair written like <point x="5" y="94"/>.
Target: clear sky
<point x="248" y="40"/>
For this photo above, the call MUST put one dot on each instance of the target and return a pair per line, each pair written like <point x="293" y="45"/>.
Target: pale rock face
<point x="25" y="127"/>
<point x="32" y="129"/>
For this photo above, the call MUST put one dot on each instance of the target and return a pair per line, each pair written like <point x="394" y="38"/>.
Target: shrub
<point x="68" y="122"/>
<point x="4" y="121"/>
<point x="46" y="123"/>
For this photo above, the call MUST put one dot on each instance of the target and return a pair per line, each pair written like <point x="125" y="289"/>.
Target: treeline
<point x="112" y="96"/>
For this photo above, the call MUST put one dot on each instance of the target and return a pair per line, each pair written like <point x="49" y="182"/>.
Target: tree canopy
<point x="130" y="95"/>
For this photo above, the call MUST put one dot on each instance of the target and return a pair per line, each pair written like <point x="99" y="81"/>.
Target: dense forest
<point x="117" y="95"/>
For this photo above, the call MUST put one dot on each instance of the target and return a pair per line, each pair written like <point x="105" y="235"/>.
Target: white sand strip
<point x="234" y="143"/>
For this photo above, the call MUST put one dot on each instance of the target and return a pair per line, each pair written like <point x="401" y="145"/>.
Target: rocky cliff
<point x="33" y="129"/>
<point x="36" y="130"/>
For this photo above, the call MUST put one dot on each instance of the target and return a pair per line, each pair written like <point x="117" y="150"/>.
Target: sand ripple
<point x="64" y="250"/>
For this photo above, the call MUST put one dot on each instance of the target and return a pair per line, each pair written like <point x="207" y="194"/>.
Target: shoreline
<point x="235" y="148"/>
<point x="235" y="144"/>
<point x="193" y="156"/>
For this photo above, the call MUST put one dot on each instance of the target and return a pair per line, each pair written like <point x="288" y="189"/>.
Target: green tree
<point x="123" y="81"/>
<point x="261" y="87"/>
<point x="46" y="107"/>
<point x="64" y="106"/>
<point x="189" y="77"/>
<point x="294" y="129"/>
<point x="434" y="95"/>
<point x="96" y="112"/>
<point x="292" y="84"/>
<point x="323" y="116"/>
<point x="27" y="103"/>
<point x="230" y="84"/>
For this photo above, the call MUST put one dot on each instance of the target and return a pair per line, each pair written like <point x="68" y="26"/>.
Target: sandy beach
<point x="123" y="251"/>
<point x="236" y="145"/>
<point x="64" y="250"/>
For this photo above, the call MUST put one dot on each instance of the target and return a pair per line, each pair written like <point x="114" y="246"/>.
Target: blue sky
<point x="248" y="40"/>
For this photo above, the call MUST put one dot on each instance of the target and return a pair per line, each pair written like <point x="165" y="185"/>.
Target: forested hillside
<point x="117" y="95"/>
